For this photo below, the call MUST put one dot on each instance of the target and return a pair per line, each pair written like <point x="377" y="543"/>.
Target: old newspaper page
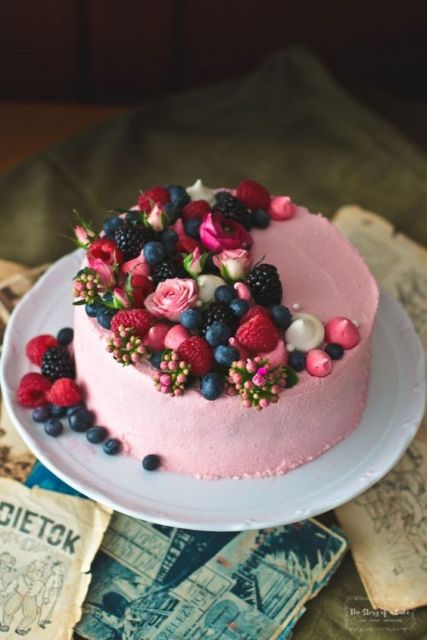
<point x="47" y="544"/>
<point x="387" y="525"/>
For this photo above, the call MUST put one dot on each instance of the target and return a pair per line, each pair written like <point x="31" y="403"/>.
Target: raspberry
<point x="253" y="194"/>
<point x="38" y="346"/>
<point x="254" y="311"/>
<point x="258" y="334"/>
<point x="195" y="209"/>
<point x="156" y="195"/>
<point x="64" y="392"/>
<point x="32" y="390"/>
<point x="198" y="353"/>
<point x="139" y="319"/>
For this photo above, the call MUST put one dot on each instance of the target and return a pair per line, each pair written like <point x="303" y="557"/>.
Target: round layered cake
<point x="247" y="427"/>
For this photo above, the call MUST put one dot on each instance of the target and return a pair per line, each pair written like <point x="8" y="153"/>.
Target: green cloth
<point x="289" y="126"/>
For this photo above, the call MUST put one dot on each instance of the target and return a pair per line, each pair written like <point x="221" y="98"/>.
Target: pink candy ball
<point x="318" y="363"/>
<point x="175" y="336"/>
<point x="342" y="331"/>
<point x="243" y="291"/>
<point x="281" y="208"/>
<point x="155" y="338"/>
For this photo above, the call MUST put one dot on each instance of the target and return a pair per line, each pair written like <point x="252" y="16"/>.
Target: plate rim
<point x="405" y="436"/>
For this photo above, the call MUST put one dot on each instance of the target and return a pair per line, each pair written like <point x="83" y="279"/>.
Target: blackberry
<point x="232" y="208"/>
<point x="130" y="238"/>
<point x="221" y="312"/>
<point x="265" y="285"/>
<point x="57" y="363"/>
<point x="169" y="268"/>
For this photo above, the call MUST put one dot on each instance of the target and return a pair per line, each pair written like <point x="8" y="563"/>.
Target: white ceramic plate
<point x="394" y="410"/>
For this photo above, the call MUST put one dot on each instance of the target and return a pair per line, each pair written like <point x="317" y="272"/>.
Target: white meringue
<point x="198" y="191"/>
<point x="306" y="332"/>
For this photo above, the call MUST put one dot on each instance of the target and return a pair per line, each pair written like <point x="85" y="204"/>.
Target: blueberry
<point x="172" y="211"/>
<point x="111" y="224"/>
<point x="108" y="296"/>
<point x="156" y="358"/>
<point x="239" y="307"/>
<point x="65" y="336"/>
<point x="260" y="219"/>
<point x="104" y="317"/>
<point x="112" y="446"/>
<point x="211" y="386"/>
<point x="154" y="252"/>
<point x="224" y="293"/>
<point x="53" y="427"/>
<point x="134" y="217"/>
<point x="56" y="411"/>
<point x="192" y="227"/>
<point x="296" y="360"/>
<point x="169" y="239"/>
<point x="225" y="355"/>
<point x="281" y="316"/>
<point x="151" y="462"/>
<point x="191" y="319"/>
<point x="74" y="407"/>
<point x="41" y="414"/>
<point x="334" y="350"/>
<point x="81" y="420"/>
<point x="92" y="308"/>
<point x="95" y="435"/>
<point x="217" y="333"/>
<point x="178" y="194"/>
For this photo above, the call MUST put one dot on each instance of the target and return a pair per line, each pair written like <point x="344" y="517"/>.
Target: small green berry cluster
<point x="173" y="375"/>
<point x="87" y="286"/>
<point x="125" y="346"/>
<point x="256" y="381"/>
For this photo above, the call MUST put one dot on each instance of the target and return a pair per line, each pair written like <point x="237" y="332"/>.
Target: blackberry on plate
<point x="130" y="238"/>
<point x="57" y="363"/>
<point x="232" y="208"/>
<point x="218" y="312"/>
<point x="169" y="268"/>
<point x="264" y="284"/>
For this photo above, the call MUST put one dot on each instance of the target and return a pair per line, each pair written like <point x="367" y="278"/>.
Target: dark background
<point x="111" y="52"/>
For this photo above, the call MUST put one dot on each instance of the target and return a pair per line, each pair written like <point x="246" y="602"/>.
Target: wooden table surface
<point x="27" y="128"/>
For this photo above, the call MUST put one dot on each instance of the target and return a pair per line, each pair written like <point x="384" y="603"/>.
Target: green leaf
<point x="291" y="377"/>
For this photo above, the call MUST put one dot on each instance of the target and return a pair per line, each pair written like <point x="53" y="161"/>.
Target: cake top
<point x="173" y="282"/>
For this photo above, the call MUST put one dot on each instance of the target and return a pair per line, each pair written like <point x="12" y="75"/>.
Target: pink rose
<point x="135" y="266"/>
<point x="171" y="298"/>
<point x="217" y="234"/>
<point x="233" y="264"/>
<point x="157" y="219"/>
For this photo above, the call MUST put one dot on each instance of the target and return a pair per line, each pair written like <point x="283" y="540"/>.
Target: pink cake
<point x="323" y="276"/>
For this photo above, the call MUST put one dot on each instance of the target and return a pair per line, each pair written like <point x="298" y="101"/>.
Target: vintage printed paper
<point x="172" y="584"/>
<point x="387" y="525"/>
<point x="47" y="543"/>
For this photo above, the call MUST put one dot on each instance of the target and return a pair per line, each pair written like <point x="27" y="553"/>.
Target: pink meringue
<point x="175" y="336"/>
<point x="281" y="208"/>
<point x="342" y="331"/>
<point x="155" y="338"/>
<point x="243" y="292"/>
<point x="318" y="363"/>
<point x="278" y="356"/>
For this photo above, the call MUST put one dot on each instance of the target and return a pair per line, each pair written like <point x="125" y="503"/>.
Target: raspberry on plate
<point x="64" y="392"/>
<point x="32" y="390"/>
<point x="37" y="347"/>
<point x="198" y="353"/>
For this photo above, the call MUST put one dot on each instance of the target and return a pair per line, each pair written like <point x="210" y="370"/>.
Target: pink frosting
<point x="281" y="208"/>
<point x="320" y="271"/>
<point x="318" y="363"/>
<point x="171" y="297"/>
<point x="342" y="331"/>
<point x="279" y="355"/>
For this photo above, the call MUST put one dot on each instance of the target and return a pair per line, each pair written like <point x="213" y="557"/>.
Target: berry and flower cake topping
<point x="173" y="283"/>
